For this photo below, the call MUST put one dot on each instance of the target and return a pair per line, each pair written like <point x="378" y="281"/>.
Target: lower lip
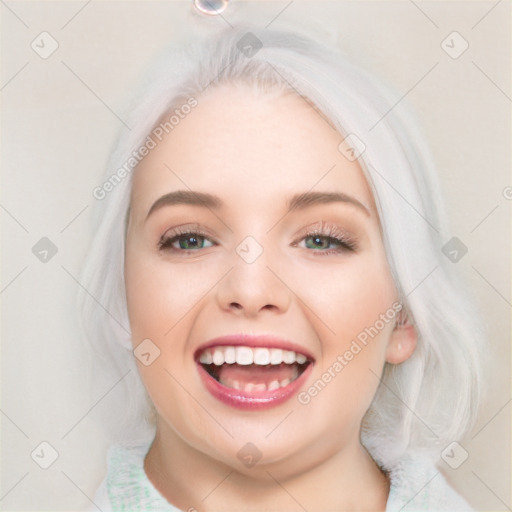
<point x="260" y="400"/>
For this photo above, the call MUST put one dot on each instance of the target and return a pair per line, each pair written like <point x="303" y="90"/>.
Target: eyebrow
<point x="301" y="201"/>
<point x="297" y="202"/>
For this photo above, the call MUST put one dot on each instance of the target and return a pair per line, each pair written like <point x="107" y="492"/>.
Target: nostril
<point x="236" y="305"/>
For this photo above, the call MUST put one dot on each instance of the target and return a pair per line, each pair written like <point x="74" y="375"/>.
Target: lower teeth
<point x="246" y="384"/>
<point x="253" y="386"/>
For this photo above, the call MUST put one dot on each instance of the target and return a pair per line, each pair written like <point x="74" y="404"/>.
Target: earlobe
<point x="402" y="342"/>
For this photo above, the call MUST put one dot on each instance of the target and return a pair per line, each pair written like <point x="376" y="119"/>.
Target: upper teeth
<point x="249" y="355"/>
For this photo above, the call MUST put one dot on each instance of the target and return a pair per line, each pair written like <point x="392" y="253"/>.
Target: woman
<point x="268" y="255"/>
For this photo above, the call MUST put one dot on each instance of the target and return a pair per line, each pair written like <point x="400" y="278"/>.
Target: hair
<point x="424" y="403"/>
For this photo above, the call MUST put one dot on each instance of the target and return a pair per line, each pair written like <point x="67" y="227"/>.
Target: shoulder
<point x="126" y="486"/>
<point x="417" y="485"/>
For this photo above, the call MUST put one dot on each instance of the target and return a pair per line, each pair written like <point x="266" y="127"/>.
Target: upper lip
<point x="251" y="340"/>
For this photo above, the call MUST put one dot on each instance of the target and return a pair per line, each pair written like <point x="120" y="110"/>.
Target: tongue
<point x="229" y="374"/>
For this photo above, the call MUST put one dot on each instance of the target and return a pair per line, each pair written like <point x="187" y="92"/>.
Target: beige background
<point x="60" y="116"/>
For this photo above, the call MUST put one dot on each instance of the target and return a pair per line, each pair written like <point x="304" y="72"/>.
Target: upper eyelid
<point x="185" y="229"/>
<point x="323" y="230"/>
<point x="180" y="231"/>
<point x="328" y="229"/>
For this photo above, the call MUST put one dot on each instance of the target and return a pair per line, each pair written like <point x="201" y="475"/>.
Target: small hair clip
<point x="211" y="7"/>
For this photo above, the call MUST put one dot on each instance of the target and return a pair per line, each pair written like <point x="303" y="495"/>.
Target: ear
<point x="402" y="341"/>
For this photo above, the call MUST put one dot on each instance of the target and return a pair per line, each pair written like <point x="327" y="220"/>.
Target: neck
<point x="192" y="480"/>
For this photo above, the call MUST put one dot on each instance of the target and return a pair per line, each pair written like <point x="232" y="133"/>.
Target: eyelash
<point x="326" y="231"/>
<point x="166" y="241"/>
<point x="331" y="233"/>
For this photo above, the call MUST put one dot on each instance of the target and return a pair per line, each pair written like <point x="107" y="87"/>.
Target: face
<point x="254" y="263"/>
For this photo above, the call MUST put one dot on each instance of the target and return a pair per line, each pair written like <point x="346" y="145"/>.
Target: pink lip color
<point x="257" y="400"/>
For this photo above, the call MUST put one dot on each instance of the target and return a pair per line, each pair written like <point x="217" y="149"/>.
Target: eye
<point x="327" y="239"/>
<point x="179" y="240"/>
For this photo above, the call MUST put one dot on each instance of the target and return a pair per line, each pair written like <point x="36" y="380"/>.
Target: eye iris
<point x="190" y="241"/>
<point x="318" y="242"/>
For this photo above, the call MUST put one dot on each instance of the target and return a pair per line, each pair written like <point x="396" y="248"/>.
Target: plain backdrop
<point x="60" y="116"/>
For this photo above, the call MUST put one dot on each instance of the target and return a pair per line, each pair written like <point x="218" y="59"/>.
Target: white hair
<point x="424" y="403"/>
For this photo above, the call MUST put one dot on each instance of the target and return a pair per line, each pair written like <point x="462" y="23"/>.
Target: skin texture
<point x="255" y="151"/>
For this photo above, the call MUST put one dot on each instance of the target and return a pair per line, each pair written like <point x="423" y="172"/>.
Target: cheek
<point x="355" y="295"/>
<point x="350" y="296"/>
<point x="160" y="295"/>
<point x="158" y="303"/>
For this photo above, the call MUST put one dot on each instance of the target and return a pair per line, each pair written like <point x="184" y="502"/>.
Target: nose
<point x="251" y="288"/>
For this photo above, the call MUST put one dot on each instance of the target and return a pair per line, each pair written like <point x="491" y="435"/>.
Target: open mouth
<point x="248" y="376"/>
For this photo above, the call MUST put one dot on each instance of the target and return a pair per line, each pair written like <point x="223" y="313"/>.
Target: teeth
<point x="252" y="386"/>
<point x="244" y="355"/>
<point x="274" y="385"/>
<point x="300" y="358"/>
<point x="247" y="355"/>
<point x="276" y="356"/>
<point x="262" y="356"/>
<point x="218" y="357"/>
<point x="288" y="356"/>
<point x="230" y="355"/>
<point x="206" y="357"/>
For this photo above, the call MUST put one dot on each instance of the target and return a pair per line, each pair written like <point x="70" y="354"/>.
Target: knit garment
<point x="416" y="485"/>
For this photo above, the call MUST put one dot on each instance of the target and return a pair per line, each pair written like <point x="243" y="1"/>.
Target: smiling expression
<point x="254" y="258"/>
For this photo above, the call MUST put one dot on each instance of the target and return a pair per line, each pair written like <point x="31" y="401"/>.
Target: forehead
<point x="248" y="147"/>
